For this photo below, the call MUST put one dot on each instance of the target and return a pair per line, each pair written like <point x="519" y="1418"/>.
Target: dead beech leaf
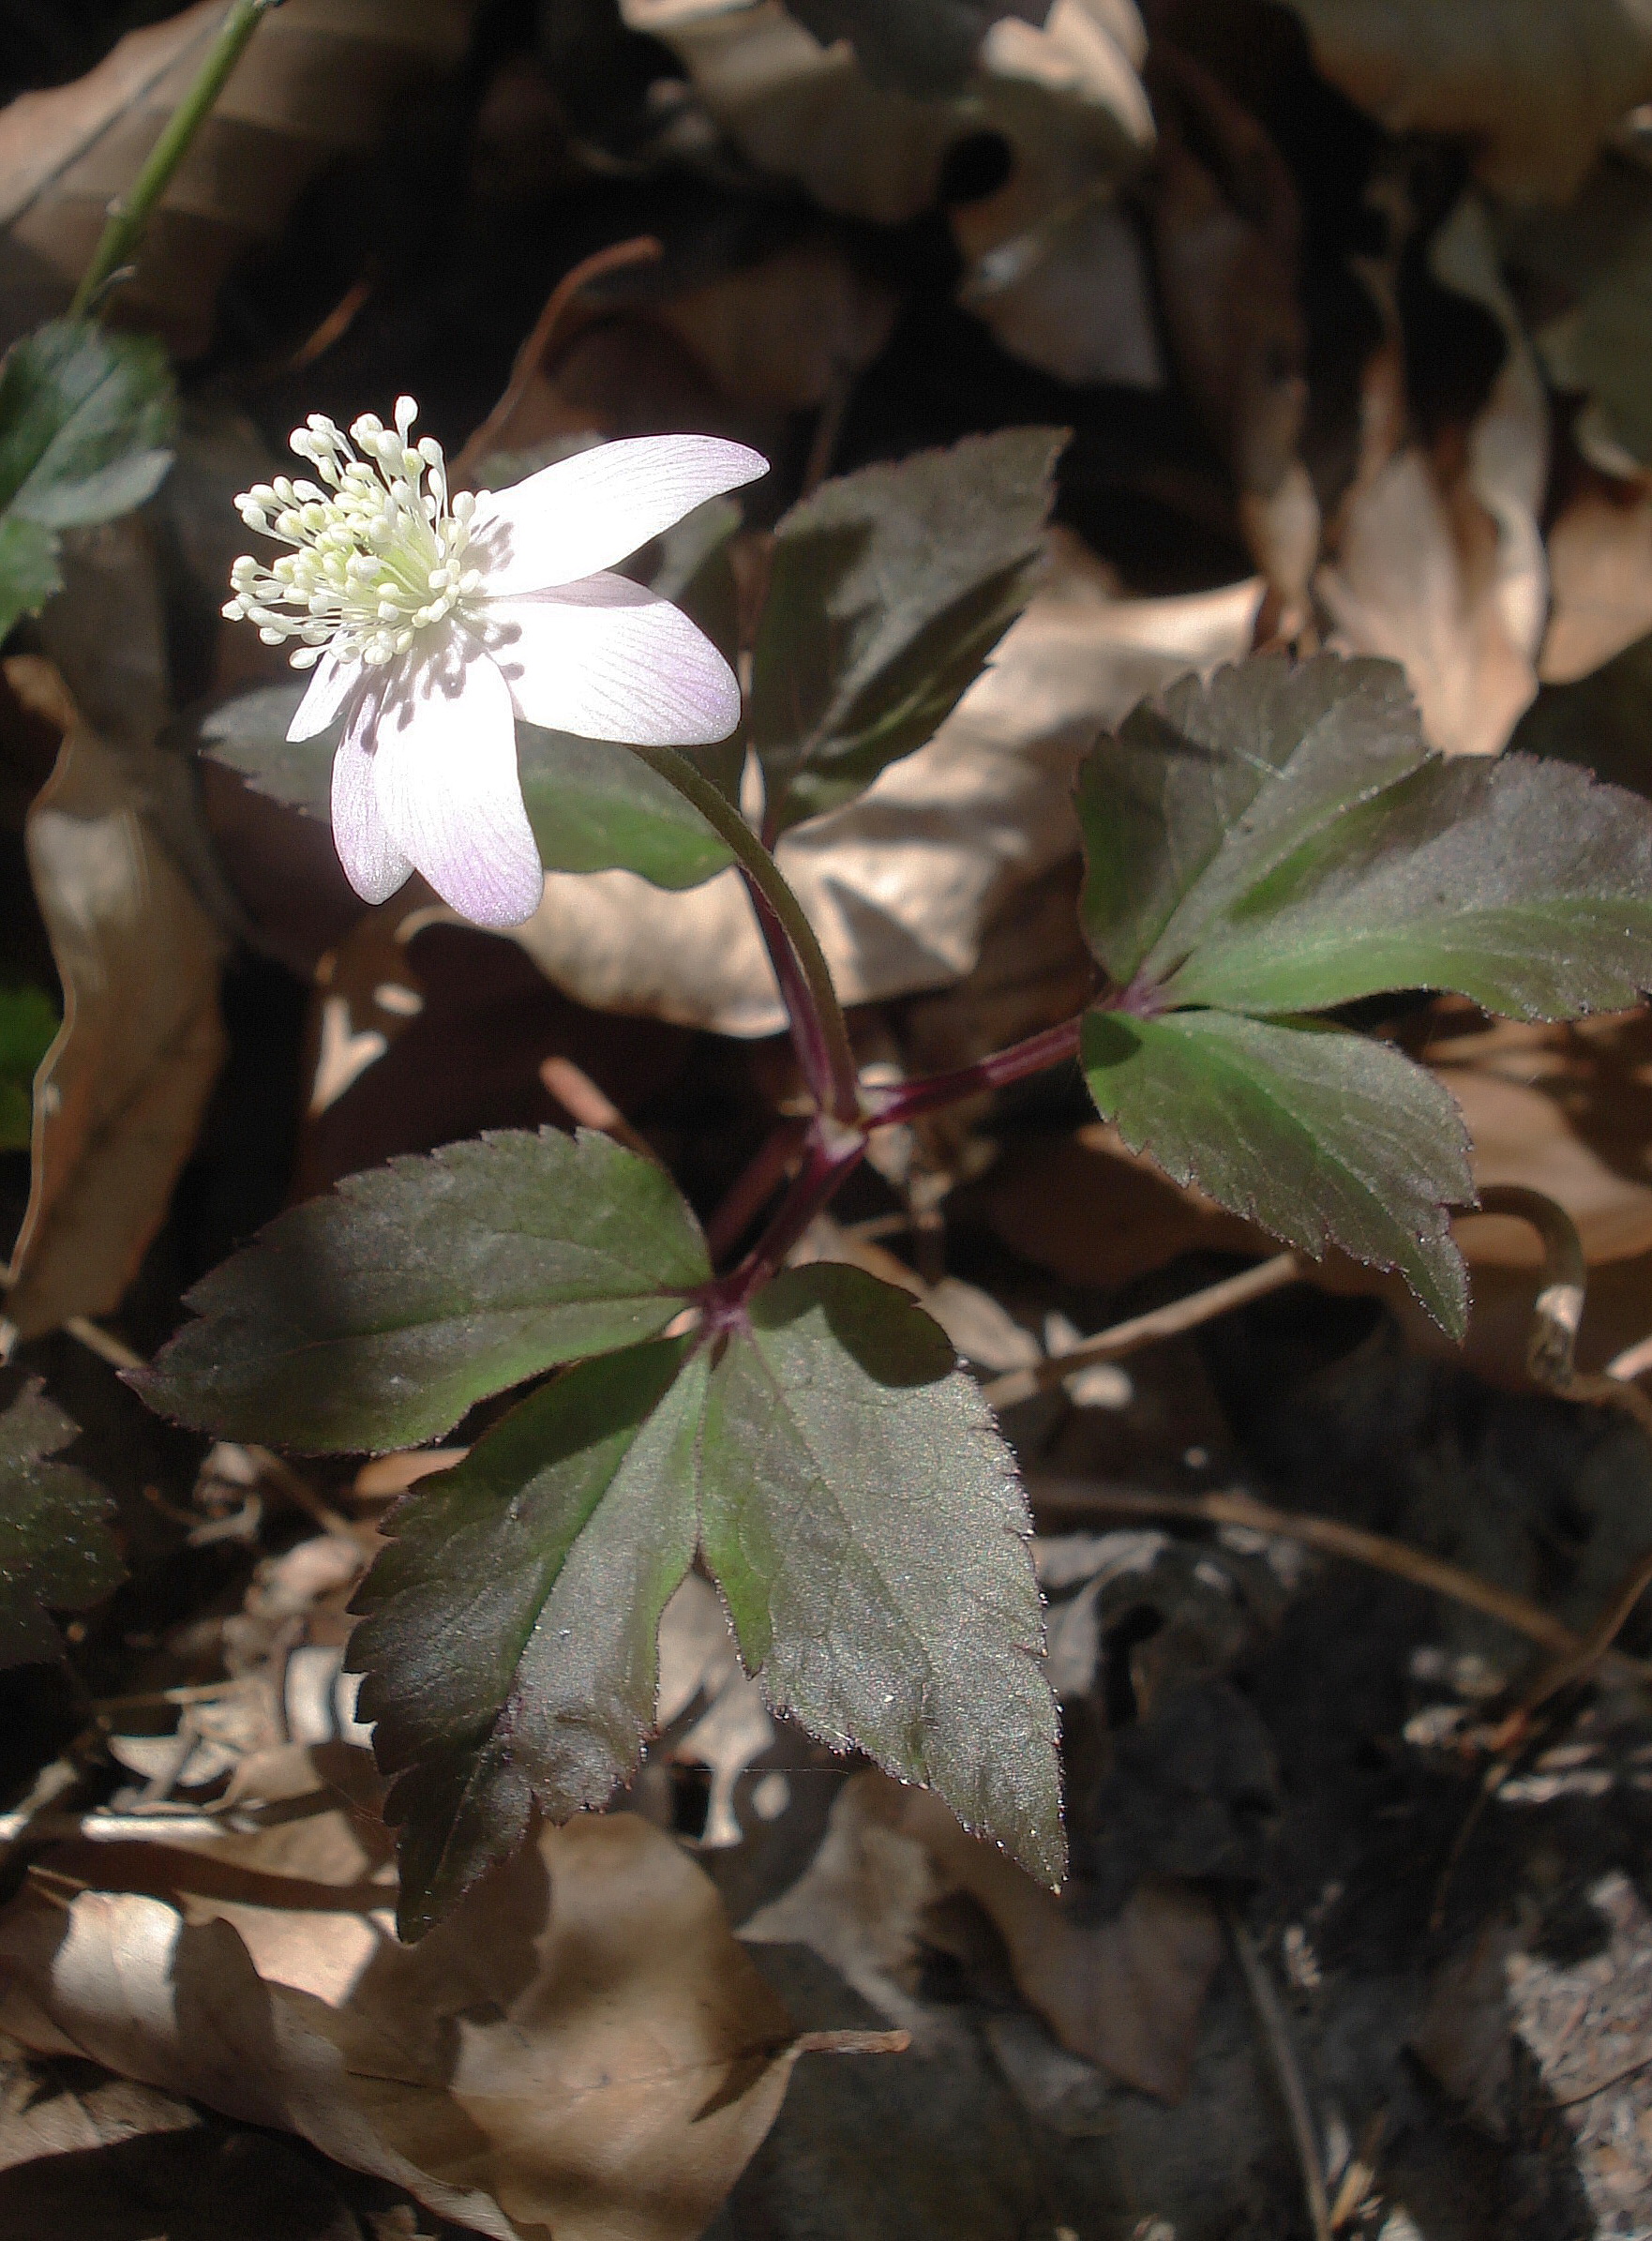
<point x="319" y="78"/>
<point x="120" y="1094"/>
<point x="1535" y="86"/>
<point x="1065" y="95"/>
<point x="582" y="2050"/>
<point x="1437" y="561"/>
<point x="902" y="883"/>
<point x="1125" y="1993"/>
<point x="1600" y="574"/>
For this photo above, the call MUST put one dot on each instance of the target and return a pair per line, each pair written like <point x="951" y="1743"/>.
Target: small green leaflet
<point x="1320" y="1136"/>
<point x="28" y="1025"/>
<point x="888" y="590"/>
<point x="846" y="1486"/>
<point x="374" y="1317"/>
<point x="56" y="1549"/>
<point x="86" y="419"/>
<point x="1279" y="842"/>
<point x="512" y="1645"/>
<point x="29" y="573"/>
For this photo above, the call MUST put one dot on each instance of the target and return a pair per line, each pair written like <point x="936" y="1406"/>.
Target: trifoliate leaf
<point x="513" y="1629"/>
<point x="374" y="1317"/>
<point x="28" y="1024"/>
<point x="864" y="1521"/>
<point x="1321" y="1136"/>
<point x="55" y="1550"/>
<point x="889" y="588"/>
<point x="847" y="1487"/>
<point x="29" y="573"/>
<point x="1280" y="841"/>
<point x="85" y="419"/>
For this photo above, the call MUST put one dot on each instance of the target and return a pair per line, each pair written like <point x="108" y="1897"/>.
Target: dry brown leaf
<point x="1601" y="576"/>
<point x="583" y="2049"/>
<point x="1436" y="561"/>
<point x="902" y="883"/>
<point x="120" y="1095"/>
<point x="1065" y="95"/>
<point x="319" y="78"/>
<point x="1535" y="86"/>
<point x="1126" y="1993"/>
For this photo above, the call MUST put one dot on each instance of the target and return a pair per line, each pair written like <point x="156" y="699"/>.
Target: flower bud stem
<point x="819" y="1028"/>
<point x="128" y="214"/>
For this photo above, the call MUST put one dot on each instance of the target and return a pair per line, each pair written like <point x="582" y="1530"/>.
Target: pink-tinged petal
<point x="374" y="867"/>
<point x="608" y="660"/>
<point x="331" y="684"/>
<point x="444" y="776"/>
<point x="587" y="511"/>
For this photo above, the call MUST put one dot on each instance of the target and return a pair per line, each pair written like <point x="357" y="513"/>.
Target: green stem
<point x="130" y="213"/>
<point x="825" y="1022"/>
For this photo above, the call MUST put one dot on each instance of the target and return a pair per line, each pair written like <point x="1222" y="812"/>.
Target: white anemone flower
<point x="432" y="624"/>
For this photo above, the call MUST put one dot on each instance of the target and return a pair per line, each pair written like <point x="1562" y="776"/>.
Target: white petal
<point x="330" y="685"/>
<point x="372" y="864"/>
<point x="610" y="660"/>
<point x="590" y="511"/>
<point x="444" y="776"/>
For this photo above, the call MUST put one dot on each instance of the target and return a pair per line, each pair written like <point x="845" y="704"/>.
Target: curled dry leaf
<point x="121" y="1092"/>
<point x="1535" y="86"/>
<point x="1600" y="575"/>
<point x="1437" y="561"/>
<point x="582" y="2050"/>
<point x="319" y="79"/>
<point x="901" y="884"/>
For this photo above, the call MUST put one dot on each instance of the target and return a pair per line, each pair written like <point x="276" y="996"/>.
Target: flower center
<point x="376" y="557"/>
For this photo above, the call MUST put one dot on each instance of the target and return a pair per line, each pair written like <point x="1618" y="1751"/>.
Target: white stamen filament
<point x="376" y="555"/>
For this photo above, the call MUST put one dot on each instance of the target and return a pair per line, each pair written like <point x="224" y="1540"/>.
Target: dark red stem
<point x="830" y="1154"/>
<point x="908" y="1101"/>
<point x="814" y="1055"/>
<point x="752" y="1190"/>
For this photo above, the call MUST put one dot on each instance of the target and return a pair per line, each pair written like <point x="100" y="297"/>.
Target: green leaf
<point x="1280" y="841"/>
<point x="28" y="1027"/>
<point x="888" y="590"/>
<point x="864" y="1520"/>
<point x="1605" y="346"/>
<point x="56" y="1549"/>
<point x="846" y="1484"/>
<point x="86" y="421"/>
<point x="29" y="573"/>
<point x="512" y="1634"/>
<point x="595" y="806"/>
<point x="374" y="1317"/>
<point x="1521" y="884"/>
<point x="1322" y="1138"/>
<point x="1205" y="791"/>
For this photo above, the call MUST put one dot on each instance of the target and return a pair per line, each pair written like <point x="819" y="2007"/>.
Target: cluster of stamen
<point x="377" y="556"/>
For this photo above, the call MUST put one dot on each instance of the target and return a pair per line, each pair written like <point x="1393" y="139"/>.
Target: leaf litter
<point x="1241" y="1731"/>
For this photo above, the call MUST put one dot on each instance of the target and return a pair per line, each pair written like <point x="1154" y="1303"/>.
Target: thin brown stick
<point x="1634" y="1361"/>
<point x="1144" y="1330"/>
<point x="592" y="1106"/>
<point x="1331" y="1538"/>
<point x="1288" y="2072"/>
<point x="644" y="250"/>
<point x="1580" y="1664"/>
